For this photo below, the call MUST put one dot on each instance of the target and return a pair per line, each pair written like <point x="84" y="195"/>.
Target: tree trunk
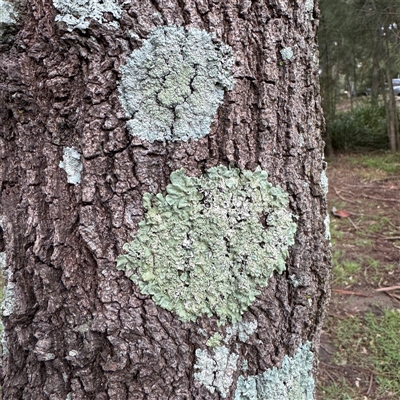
<point x="376" y="79"/>
<point x="73" y="179"/>
<point x="392" y="119"/>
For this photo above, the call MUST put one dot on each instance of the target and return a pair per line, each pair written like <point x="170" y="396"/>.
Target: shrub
<point x="363" y="127"/>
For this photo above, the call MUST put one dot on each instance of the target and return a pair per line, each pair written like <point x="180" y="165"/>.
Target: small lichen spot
<point x="214" y="340"/>
<point x="4" y="347"/>
<point x="245" y="365"/>
<point x="327" y="223"/>
<point x="324" y="182"/>
<point x="72" y="165"/>
<point x="243" y="330"/>
<point x="309" y="6"/>
<point x="210" y="243"/>
<point x="172" y="86"/>
<point x="295" y="281"/>
<point x="287" y="53"/>
<point x="8" y="303"/>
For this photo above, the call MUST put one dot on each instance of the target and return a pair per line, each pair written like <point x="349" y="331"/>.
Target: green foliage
<point x="359" y="54"/>
<point x="202" y="247"/>
<point x="336" y="234"/>
<point x="293" y="381"/>
<point x="384" y="344"/>
<point x="344" y="271"/>
<point x="372" y="343"/>
<point x="363" y="242"/>
<point x="364" y="127"/>
<point x="339" y="390"/>
<point x="173" y="85"/>
<point x="377" y="223"/>
<point x="387" y="162"/>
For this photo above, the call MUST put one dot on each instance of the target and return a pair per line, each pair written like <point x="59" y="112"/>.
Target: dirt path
<point x="366" y="257"/>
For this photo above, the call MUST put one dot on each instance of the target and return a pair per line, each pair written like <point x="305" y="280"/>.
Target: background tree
<point x="116" y="121"/>
<point x="359" y="50"/>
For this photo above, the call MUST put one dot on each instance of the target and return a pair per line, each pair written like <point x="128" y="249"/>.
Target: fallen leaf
<point x="340" y="213"/>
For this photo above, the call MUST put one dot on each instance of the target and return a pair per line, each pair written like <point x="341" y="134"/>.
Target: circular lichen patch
<point x="172" y="86"/>
<point x="210" y="243"/>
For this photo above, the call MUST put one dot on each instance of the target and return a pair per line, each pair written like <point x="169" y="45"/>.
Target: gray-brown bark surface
<point x="81" y="327"/>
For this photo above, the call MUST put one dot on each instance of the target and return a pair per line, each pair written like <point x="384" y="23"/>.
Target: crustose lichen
<point x="72" y="165"/>
<point x="216" y="370"/>
<point x="293" y="381"/>
<point x="77" y="13"/>
<point x="8" y="17"/>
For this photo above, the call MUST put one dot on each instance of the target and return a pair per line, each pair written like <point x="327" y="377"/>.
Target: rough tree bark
<point x="75" y="327"/>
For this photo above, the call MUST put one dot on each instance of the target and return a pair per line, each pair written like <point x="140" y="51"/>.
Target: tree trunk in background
<point x="392" y="118"/>
<point x="75" y="327"/>
<point x="376" y="79"/>
<point x="329" y="78"/>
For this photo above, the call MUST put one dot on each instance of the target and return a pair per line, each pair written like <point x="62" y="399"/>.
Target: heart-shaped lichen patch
<point x="210" y="243"/>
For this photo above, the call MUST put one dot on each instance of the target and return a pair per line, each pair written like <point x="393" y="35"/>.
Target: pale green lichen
<point x="77" y="13"/>
<point x="3" y="337"/>
<point x="214" y="341"/>
<point x="72" y="165"/>
<point x="8" y="303"/>
<point x="215" y="370"/>
<point x="173" y="85"/>
<point x="294" y="281"/>
<point x="8" y="19"/>
<point x="327" y="223"/>
<point x="4" y="348"/>
<point x="309" y="6"/>
<point x="3" y="261"/>
<point x="324" y="182"/>
<point x="202" y="248"/>
<point x="243" y="330"/>
<point x="293" y="381"/>
<point x="287" y="53"/>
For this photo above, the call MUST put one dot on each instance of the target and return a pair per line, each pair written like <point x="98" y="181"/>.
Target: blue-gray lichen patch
<point x="8" y="303"/>
<point x="293" y="381"/>
<point x="215" y="370"/>
<point x="287" y="53"/>
<point x="72" y="165"/>
<point x="8" y="18"/>
<point x="243" y="330"/>
<point x="309" y="6"/>
<point x="173" y="85"/>
<point x="77" y="13"/>
<point x="210" y="243"/>
<point x="327" y="223"/>
<point x="324" y="182"/>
